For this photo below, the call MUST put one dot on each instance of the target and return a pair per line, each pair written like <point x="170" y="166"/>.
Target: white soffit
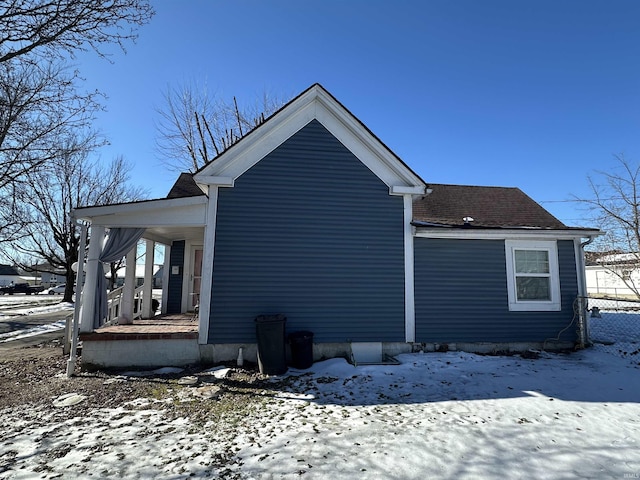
<point x="315" y="104"/>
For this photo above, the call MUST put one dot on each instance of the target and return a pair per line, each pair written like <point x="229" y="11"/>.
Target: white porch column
<point x="89" y="291"/>
<point x="128" y="291"/>
<point x="147" y="289"/>
<point x="207" y="265"/>
<point x="73" y="354"/>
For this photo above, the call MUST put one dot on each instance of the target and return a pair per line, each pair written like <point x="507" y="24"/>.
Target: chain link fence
<point x="614" y="325"/>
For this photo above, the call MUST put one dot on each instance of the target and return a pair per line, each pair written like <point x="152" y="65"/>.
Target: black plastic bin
<point x="271" y="341"/>
<point x="301" y="349"/>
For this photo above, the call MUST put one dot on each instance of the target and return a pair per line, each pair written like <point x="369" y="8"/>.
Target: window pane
<point x="532" y="261"/>
<point x="533" y="288"/>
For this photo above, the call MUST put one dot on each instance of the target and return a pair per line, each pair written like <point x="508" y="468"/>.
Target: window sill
<point x="534" y="307"/>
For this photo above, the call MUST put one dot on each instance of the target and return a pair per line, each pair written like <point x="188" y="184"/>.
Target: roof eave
<point x="141" y="207"/>
<point x="499" y="233"/>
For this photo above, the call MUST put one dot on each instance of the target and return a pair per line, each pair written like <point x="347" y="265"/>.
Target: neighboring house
<point x="613" y="274"/>
<point x="8" y="275"/>
<point x="48" y="275"/>
<point x="157" y="275"/>
<point x="311" y="216"/>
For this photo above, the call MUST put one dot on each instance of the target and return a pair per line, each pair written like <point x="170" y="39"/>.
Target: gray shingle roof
<point x="8" y="270"/>
<point x="185" y="186"/>
<point x="490" y="207"/>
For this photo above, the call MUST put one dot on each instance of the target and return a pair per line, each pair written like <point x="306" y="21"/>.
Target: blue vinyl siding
<point x="174" y="289"/>
<point x="461" y="294"/>
<point x="312" y="233"/>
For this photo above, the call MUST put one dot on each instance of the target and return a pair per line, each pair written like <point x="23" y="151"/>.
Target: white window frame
<point x="554" y="277"/>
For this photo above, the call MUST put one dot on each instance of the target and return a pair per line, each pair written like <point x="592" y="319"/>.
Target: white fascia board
<point x="506" y="234"/>
<point x="193" y="216"/>
<point x="316" y="104"/>
<point x="189" y="211"/>
<point x="87" y="213"/>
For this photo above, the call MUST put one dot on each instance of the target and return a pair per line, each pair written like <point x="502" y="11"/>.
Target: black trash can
<point x="301" y="349"/>
<point x="270" y="340"/>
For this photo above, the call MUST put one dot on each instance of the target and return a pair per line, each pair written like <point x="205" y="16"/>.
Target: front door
<point x="195" y="278"/>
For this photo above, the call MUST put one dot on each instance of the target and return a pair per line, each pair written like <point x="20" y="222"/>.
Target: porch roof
<point x="165" y="220"/>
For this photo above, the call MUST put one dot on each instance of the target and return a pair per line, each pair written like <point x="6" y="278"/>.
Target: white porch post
<point x="71" y="363"/>
<point x="147" y="289"/>
<point x="207" y="265"/>
<point x="128" y="291"/>
<point x="89" y="291"/>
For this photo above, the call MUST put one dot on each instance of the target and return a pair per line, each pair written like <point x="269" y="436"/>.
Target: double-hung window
<point x="532" y="275"/>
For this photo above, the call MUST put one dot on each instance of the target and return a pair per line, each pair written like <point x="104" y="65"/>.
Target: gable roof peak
<point x="314" y="103"/>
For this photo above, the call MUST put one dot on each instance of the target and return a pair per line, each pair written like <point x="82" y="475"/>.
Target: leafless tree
<point x="614" y="206"/>
<point x="41" y="100"/>
<point x="53" y="28"/>
<point x="195" y="126"/>
<point x="69" y="180"/>
<point x="38" y="104"/>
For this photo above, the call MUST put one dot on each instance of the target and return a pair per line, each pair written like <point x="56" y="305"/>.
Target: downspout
<point x="583" y="327"/>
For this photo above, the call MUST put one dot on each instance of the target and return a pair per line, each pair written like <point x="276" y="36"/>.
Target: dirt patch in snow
<point x="35" y="375"/>
<point x="35" y="394"/>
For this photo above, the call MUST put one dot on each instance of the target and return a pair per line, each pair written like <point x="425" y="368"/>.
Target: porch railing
<point x="114" y="302"/>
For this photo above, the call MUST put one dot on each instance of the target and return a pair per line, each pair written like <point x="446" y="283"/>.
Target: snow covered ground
<point x="15" y="306"/>
<point x="615" y="328"/>
<point x="436" y="415"/>
<point x="11" y="302"/>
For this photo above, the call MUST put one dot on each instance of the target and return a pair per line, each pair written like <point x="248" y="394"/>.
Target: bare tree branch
<point x="41" y="102"/>
<point x="69" y="180"/>
<point x="54" y="27"/>
<point x="193" y="123"/>
<point x="614" y="207"/>
<point x="38" y="103"/>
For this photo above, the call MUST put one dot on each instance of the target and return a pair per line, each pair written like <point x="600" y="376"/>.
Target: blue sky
<point x="533" y="94"/>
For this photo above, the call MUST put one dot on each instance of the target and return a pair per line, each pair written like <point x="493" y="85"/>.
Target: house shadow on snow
<point x="455" y="376"/>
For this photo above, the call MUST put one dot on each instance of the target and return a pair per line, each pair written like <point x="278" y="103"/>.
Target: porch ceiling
<point x="166" y="235"/>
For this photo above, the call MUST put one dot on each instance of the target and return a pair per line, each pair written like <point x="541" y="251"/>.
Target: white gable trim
<point x="316" y="103"/>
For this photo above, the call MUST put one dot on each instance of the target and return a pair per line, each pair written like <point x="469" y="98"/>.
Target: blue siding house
<point x="311" y="216"/>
